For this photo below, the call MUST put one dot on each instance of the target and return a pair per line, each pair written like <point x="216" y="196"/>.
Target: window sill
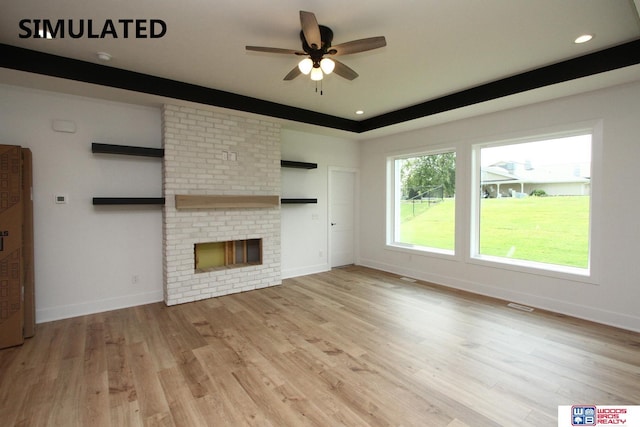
<point x="422" y="251"/>
<point x="574" y="274"/>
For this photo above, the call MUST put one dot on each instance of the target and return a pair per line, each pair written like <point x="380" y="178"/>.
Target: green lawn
<point x="432" y="225"/>
<point x="552" y="230"/>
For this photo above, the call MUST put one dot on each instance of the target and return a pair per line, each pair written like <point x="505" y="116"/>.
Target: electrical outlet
<point x="135" y="279"/>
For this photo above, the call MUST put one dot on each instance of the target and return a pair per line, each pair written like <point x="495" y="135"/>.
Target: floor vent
<point x="520" y="307"/>
<point x="408" y="279"/>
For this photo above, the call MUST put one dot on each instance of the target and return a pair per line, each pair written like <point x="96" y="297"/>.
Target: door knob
<point x="333" y="223"/>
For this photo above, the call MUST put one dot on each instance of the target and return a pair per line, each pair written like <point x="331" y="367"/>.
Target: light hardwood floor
<point x="353" y="346"/>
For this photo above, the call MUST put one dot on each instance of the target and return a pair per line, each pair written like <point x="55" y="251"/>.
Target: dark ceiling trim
<point x="594" y="63"/>
<point x="57" y="66"/>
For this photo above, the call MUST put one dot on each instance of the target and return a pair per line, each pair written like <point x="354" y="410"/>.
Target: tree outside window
<point x="425" y="202"/>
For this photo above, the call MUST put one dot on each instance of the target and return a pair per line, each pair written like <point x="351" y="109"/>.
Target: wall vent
<point x="520" y="307"/>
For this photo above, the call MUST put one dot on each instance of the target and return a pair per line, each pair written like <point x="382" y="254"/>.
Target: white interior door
<point x="342" y="215"/>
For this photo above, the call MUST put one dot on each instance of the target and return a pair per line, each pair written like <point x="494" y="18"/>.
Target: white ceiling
<point x="434" y="48"/>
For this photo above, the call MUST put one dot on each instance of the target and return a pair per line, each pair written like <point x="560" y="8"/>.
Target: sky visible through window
<point x="574" y="150"/>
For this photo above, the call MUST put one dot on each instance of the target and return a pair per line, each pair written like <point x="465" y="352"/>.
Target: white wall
<point x="613" y="298"/>
<point x="305" y="227"/>
<point x="86" y="256"/>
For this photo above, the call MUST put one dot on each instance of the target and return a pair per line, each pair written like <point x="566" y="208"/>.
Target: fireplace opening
<point x="230" y="254"/>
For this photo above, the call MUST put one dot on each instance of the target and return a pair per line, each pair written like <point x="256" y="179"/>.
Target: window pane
<point x="425" y="203"/>
<point x="535" y="201"/>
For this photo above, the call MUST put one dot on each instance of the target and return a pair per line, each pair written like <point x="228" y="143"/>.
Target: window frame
<point x="393" y="209"/>
<point x="588" y="275"/>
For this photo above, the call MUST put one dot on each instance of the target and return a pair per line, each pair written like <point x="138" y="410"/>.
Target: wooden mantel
<point x="189" y="201"/>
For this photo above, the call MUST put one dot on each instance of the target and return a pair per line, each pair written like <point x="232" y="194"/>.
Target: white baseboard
<point x="304" y="271"/>
<point x="594" y="314"/>
<point x="91" y="307"/>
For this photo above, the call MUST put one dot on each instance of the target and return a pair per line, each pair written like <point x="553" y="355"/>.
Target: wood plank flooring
<point x="352" y="347"/>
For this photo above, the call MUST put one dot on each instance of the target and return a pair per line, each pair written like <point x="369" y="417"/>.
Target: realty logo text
<point x="88" y="28"/>
<point x="590" y="415"/>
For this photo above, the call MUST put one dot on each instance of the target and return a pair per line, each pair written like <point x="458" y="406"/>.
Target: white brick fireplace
<point x="211" y="154"/>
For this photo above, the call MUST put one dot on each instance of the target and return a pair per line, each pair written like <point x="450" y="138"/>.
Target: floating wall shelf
<point x="297" y="201"/>
<point x="186" y="201"/>
<point x="126" y="150"/>
<point x="128" y="201"/>
<point x="297" y="165"/>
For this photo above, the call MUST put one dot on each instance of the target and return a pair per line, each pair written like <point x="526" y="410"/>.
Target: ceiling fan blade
<point x="310" y="29"/>
<point x="361" y="45"/>
<point x="293" y="74"/>
<point x="344" y="71"/>
<point x="274" y="50"/>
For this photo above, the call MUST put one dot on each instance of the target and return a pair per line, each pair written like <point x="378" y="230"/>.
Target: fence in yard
<point x="431" y="196"/>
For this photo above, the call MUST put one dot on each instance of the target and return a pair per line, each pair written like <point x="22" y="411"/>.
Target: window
<point x="533" y="204"/>
<point x="423" y="202"/>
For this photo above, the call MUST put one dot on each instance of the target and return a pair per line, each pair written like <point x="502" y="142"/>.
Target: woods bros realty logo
<point x="592" y="415"/>
<point x="88" y="28"/>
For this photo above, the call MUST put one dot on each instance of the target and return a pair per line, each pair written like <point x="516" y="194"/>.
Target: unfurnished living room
<point x="319" y="213"/>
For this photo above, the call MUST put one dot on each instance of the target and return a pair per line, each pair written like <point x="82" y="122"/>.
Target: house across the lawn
<point x="514" y="179"/>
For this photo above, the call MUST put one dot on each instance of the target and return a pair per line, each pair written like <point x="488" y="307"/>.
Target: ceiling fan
<point x="317" y="48"/>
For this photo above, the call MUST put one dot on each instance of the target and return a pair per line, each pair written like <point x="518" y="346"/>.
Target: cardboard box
<point x="27" y="245"/>
<point x="11" y="242"/>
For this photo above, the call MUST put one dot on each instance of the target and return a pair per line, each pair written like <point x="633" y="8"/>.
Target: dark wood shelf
<point x="103" y="201"/>
<point x="297" y="165"/>
<point x="297" y="201"/>
<point x="127" y="150"/>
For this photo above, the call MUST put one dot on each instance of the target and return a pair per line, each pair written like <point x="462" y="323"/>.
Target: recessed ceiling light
<point x="583" y="38"/>
<point x="359" y="112"/>
<point x="104" y="56"/>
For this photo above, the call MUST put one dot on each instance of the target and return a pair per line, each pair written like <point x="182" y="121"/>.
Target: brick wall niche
<point x="210" y="153"/>
<point x="230" y="254"/>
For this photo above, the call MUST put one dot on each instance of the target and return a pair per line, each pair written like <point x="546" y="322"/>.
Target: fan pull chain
<point x="321" y="92"/>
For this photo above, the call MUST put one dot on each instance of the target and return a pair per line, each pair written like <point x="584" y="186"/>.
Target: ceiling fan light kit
<point x="327" y="65"/>
<point x="316" y="74"/>
<point x="305" y="66"/>
<point x="317" y="70"/>
<point x="316" y="43"/>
